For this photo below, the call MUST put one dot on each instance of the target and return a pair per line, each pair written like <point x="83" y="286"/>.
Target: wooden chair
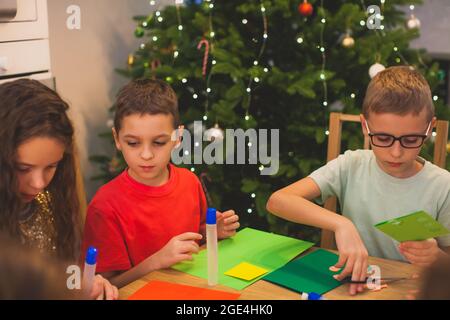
<point x="334" y="149"/>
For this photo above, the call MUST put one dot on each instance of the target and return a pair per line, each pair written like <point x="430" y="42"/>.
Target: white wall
<point x="435" y="27"/>
<point x="83" y="63"/>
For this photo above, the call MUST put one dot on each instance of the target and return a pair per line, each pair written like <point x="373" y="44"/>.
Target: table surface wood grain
<point x="263" y="290"/>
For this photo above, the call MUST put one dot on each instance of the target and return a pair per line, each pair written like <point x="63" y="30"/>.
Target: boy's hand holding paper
<point x="421" y="253"/>
<point x="416" y="233"/>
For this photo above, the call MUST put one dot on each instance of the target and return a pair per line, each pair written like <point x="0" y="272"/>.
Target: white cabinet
<point x="25" y="10"/>
<point x="21" y="57"/>
<point x="24" y="45"/>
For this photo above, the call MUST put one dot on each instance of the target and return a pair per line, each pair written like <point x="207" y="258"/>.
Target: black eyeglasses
<point x="409" y="141"/>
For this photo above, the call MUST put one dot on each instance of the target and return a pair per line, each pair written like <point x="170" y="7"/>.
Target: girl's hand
<point x="103" y="289"/>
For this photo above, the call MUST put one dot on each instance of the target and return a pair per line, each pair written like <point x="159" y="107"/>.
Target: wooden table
<point x="263" y="290"/>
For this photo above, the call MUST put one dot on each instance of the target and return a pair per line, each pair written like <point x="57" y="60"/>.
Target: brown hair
<point x="26" y="274"/>
<point x="399" y="90"/>
<point x="146" y="96"/>
<point x="29" y="109"/>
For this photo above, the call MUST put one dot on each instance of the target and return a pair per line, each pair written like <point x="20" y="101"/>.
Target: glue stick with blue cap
<point x="211" y="246"/>
<point x="312" y="296"/>
<point x="89" y="269"/>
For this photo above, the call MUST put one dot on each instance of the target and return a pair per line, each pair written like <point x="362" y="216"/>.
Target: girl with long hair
<point x="39" y="205"/>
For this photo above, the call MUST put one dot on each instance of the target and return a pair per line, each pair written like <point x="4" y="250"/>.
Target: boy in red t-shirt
<point x="153" y="214"/>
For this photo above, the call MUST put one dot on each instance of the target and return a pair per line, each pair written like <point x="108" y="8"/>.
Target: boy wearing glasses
<point x="386" y="182"/>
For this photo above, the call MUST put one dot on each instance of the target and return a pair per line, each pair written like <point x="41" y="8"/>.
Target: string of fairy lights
<point x="207" y="45"/>
<point x="413" y="22"/>
<point x="256" y="62"/>
<point x="212" y="35"/>
<point x="323" y="20"/>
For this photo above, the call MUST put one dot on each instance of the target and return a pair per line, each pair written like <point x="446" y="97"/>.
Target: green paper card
<point x="416" y="226"/>
<point x="308" y="274"/>
<point x="266" y="250"/>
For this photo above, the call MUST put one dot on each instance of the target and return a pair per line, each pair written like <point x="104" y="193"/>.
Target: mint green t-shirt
<point x="368" y="195"/>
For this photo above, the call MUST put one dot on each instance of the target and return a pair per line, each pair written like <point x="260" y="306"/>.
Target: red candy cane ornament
<point x="205" y="56"/>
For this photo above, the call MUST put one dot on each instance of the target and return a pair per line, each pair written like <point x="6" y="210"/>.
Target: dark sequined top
<point x="38" y="226"/>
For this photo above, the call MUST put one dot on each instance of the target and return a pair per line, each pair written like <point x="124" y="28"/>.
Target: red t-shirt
<point x="128" y="221"/>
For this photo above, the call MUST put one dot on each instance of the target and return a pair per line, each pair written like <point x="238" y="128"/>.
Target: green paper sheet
<point x="416" y="226"/>
<point x="307" y="274"/>
<point x="267" y="250"/>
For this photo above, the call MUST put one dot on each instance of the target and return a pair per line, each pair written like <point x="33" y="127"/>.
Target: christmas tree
<point x="271" y="64"/>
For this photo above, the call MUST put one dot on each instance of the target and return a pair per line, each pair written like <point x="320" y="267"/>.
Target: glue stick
<point x="89" y="269"/>
<point x="211" y="246"/>
<point x="312" y="296"/>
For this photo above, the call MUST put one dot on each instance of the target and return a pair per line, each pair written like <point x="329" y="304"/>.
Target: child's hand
<point x="421" y="253"/>
<point x="103" y="289"/>
<point x="179" y="248"/>
<point x="353" y="254"/>
<point x="227" y="223"/>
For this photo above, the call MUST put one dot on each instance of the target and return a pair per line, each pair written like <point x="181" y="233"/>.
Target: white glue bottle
<point x="211" y="247"/>
<point x="89" y="269"/>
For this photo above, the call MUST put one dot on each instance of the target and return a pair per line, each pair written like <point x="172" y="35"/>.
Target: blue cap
<point x="91" y="255"/>
<point x="211" y="216"/>
<point x="314" y="296"/>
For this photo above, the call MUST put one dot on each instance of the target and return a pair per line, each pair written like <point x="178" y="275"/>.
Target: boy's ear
<point x="116" y="139"/>
<point x="433" y="124"/>
<point x="363" y="124"/>
<point x="179" y="136"/>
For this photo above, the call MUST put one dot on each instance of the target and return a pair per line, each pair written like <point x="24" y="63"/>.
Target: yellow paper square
<point x="246" y="271"/>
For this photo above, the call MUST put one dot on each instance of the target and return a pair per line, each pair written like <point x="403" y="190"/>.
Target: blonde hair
<point x="399" y="90"/>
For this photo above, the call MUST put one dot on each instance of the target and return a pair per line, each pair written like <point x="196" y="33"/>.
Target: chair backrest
<point x="334" y="149"/>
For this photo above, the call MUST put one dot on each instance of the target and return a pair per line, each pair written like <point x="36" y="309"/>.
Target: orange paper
<point x="160" y="290"/>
